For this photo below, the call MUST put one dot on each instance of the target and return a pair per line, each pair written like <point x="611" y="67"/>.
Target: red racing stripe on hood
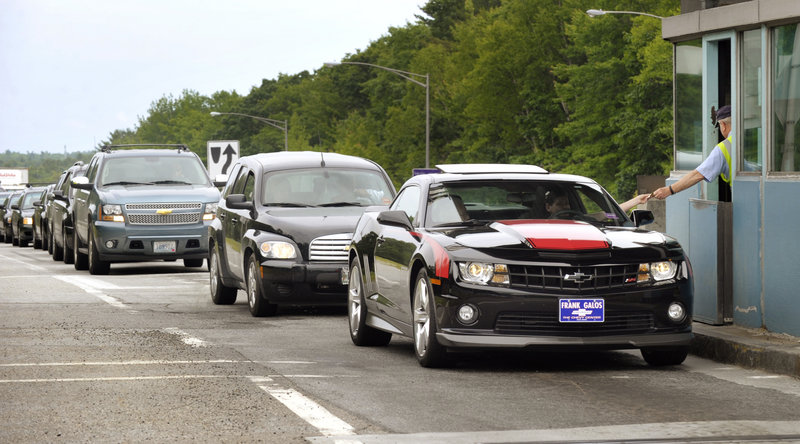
<point x="559" y="234"/>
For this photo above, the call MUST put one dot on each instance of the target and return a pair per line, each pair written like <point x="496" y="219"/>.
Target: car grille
<point x="546" y="323"/>
<point x="180" y="213"/>
<point x="331" y="248"/>
<point x="576" y="279"/>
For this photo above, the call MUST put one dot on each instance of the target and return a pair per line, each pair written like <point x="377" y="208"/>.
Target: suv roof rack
<point x="179" y="146"/>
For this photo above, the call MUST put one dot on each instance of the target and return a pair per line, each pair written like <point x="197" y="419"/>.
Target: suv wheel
<point x="58" y="250"/>
<point x="69" y="253"/>
<point x="259" y="305"/>
<point x="96" y="266"/>
<point x="81" y="261"/>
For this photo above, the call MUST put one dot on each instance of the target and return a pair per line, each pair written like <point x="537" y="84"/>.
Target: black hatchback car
<point x="511" y="256"/>
<point x="284" y="225"/>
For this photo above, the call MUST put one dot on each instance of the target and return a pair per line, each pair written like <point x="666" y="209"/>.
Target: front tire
<point x="96" y="265"/>
<point x="663" y="356"/>
<point x="58" y="250"/>
<point x="220" y="294"/>
<point x="69" y="253"/>
<point x="360" y="333"/>
<point x="427" y="349"/>
<point x="259" y="304"/>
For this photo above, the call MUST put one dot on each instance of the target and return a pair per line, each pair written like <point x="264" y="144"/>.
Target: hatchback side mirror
<point x="238" y="202"/>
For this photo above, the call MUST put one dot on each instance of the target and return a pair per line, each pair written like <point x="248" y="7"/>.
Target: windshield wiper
<point x="124" y="182"/>
<point x="178" y="182"/>
<point x="341" y="204"/>
<point x="465" y="223"/>
<point x="287" y="204"/>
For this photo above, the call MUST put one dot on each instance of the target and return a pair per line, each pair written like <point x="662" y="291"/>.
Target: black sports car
<point x="511" y="256"/>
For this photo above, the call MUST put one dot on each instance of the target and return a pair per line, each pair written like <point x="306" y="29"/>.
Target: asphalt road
<point x="143" y="355"/>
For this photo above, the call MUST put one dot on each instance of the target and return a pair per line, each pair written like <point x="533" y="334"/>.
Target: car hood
<point x="305" y="224"/>
<point x="552" y="235"/>
<point x="156" y="193"/>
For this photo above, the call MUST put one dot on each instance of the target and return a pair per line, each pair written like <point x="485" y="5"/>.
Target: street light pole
<point x="280" y="124"/>
<point x="410" y="77"/>
<point x="596" y="12"/>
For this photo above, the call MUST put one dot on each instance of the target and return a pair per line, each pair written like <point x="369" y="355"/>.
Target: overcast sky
<point x="73" y="71"/>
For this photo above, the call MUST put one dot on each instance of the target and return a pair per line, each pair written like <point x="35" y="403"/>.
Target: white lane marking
<point x="116" y="378"/>
<point x="120" y="363"/>
<point x="311" y="412"/>
<point x="187" y="338"/>
<point x="86" y="286"/>
<point x="25" y="264"/>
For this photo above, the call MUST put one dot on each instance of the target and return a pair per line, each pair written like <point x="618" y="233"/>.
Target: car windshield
<point x="152" y="170"/>
<point x="476" y="202"/>
<point x="29" y="199"/>
<point x="325" y="187"/>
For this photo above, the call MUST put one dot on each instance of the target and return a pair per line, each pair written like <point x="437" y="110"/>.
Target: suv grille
<point x="573" y="279"/>
<point x="546" y="323"/>
<point x="179" y="213"/>
<point x="330" y="248"/>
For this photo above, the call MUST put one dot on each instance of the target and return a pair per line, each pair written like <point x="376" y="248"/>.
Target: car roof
<point x="149" y="152"/>
<point x="308" y="159"/>
<point x="462" y="172"/>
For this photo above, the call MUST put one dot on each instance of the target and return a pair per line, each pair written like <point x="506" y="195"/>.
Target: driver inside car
<point x="555" y="201"/>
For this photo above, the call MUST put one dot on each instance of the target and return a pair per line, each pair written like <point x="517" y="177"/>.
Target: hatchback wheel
<point x="360" y="333"/>
<point x="220" y="294"/>
<point x="259" y="304"/>
<point x="428" y="350"/>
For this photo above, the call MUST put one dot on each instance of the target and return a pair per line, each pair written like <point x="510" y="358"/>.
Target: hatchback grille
<point x="331" y="248"/>
<point x="547" y="323"/>
<point x="573" y="279"/>
<point x="172" y="213"/>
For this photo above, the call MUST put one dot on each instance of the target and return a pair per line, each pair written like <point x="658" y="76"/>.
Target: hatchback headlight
<point x="111" y="213"/>
<point x="658" y="271"/>
<point x="211" y="211"/>
<point x="278" y="250"/>
<point x="484" y="274"/>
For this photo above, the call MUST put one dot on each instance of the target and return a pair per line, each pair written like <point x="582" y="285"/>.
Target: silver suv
<point x="142" y="205"/>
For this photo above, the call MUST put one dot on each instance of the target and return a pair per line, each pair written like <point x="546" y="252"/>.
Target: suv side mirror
<point x="397" y="218"/>
<point x="220" y="180"/>
<point x="58" y="195"/>
<point x="238" y="202"/>
<point x="642" y="217"/>
<point x="81" y="183"/>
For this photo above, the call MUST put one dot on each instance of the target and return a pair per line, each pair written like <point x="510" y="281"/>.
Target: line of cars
<point x="475" y="257"/>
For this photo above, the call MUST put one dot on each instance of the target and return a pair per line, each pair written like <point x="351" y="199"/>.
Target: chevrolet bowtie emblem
<point x="164" y="211"/>
<point x="578" y="277"/>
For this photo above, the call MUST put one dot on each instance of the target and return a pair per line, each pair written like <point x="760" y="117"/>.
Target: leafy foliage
<point x="515" y="81"/>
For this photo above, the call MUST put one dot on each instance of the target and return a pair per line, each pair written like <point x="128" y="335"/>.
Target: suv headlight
<point x="111" y="213"/>
<point x="659" y="271"/>
<point x="278" y="250"/>
<point x="211" y="211"/>
<point x="27" y="221"/>
<point x="484" y="274"/>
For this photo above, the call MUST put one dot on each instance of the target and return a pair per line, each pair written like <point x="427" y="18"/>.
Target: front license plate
<point x="581" y="310"/>
<point x="164" y="246"/>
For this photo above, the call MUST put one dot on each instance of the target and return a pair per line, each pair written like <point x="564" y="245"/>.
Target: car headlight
<point x="658" y="271"/>
<point x="278" y="250"/>
<point x="27" y="221"/>
<point x="111" y="213"/>
<point x="484" y="274"/>
<point x="211" y="211"/>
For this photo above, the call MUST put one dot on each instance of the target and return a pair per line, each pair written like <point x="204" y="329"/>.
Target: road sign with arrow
<point x="222" y="154"/>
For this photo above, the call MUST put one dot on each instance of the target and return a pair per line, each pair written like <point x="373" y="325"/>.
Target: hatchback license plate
<point x="581" y="310"/>
<point x="164" y="246"/>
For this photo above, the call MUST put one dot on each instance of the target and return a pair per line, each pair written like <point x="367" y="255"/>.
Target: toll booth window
<point x="752" y="141"/>
<point x="688" y="105"/>
<point x="786" y="98"/>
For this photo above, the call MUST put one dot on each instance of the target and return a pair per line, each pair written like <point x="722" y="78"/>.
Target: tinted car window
<point x="249" y="187"/>
<point x="321" y="186"/>
<point x="408" y="201"/>
<point x="238" y="186"/>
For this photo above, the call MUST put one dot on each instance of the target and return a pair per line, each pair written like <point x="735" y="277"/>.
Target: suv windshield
<point x="150" y="170"/>
<point x="465" y="202"/>
<point x="325" y="187"/>
<point x="29" y="199"/>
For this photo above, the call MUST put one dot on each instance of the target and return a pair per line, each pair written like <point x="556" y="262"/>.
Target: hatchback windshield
<point x="325" y="187"/>
<point x="456" y="203"/>
<point x="149" y="170"/>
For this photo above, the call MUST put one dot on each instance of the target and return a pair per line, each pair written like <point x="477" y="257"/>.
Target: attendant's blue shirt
<point x="714" y="165"/>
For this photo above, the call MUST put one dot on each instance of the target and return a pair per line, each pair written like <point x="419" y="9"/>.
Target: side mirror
<point x="15" y="206"/>
<point x="238" y="202"/>
<point x="81" y="183"/>
<point x="642" y="217"/>
<point x="220" y="180"/>
<point x="58" y="195"/>
<point x="38" y="205"/>
<point x="397" y="218"/>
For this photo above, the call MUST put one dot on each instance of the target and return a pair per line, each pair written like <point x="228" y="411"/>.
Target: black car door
<point x="235" y="222"/>
<point x="394" y="249"/>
